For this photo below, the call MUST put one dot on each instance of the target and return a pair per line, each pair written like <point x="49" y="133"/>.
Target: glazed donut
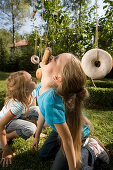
<point x="35" y="59"/>
<point x="96" y="63"/>
<point x="46" y="55"/>
<point x="45" y="59"/>
<point x="39" y="73"/>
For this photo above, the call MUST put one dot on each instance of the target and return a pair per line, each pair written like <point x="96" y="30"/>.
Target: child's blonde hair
<point x="18" y="87"/>
<point x="73" y="91"/>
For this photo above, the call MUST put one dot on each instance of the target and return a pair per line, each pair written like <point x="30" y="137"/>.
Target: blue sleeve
<point x="85" y="131"/>
<point x="54" y="110"/>
<point x="37" y="89"/>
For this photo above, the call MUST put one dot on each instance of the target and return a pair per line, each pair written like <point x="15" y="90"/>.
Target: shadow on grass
<point x="27" y="161"/>
<point x="30" y="161"/>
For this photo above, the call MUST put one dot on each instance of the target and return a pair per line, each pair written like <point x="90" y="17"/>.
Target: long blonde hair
<point x="18" y="87"/>
<point x="73" y="92"/>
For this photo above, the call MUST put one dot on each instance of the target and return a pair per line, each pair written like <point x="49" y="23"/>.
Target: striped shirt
<point x="15" y="107"/>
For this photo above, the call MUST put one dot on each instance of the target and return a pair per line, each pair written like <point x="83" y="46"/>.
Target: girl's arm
<point x="40" y="124"/>
<point x="67" y="142"/>
<point x="34" y="102"/>
<point x="7" y="153"/>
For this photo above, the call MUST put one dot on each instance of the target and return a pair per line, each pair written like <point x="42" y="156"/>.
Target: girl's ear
<point x="57" y="79"/>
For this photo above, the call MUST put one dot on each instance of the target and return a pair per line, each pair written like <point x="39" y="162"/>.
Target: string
<point x="42" y="26"/>
<point x="55" y="14"/>
<point x="96" y="39"/>
<point x="96" y="34"/>
<point x="36" y="43"/>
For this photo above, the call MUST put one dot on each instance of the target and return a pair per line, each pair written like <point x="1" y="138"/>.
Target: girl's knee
<point x="31" y="129"/>
<point x="27" y="131"/>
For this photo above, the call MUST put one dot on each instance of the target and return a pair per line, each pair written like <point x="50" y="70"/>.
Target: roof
<point x="20" y="43"/>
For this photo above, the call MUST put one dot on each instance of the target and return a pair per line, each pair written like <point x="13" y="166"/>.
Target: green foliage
<point x="106" y="28"/>
<point x="4" y="49"/>
<point x="101" y="83"/>
<point x="100" y="97"/>
<point x="3" y="77"/>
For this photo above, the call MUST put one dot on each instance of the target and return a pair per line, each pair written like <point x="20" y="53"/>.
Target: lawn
<point x="25" y="159"/>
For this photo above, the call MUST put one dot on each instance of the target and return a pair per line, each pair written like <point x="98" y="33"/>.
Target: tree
<point x="5" y="40"/>
<point x="14" y="12"/>
<point x="106" y="28"/>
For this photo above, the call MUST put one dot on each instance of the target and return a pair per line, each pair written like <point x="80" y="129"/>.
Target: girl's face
<point x="55" y="66"/>
<point x="30" y="79"/>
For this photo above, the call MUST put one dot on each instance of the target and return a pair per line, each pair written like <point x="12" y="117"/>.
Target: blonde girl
<point x="60" y="96"/>
<point x="20" y="94"/>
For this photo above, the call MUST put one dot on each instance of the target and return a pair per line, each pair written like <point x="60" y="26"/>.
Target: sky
<point x="29" y="24"/>
<point x="27" y="28"/>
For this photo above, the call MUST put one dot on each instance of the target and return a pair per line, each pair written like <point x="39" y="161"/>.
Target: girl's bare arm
<point x="7" y="153"/>
<point x="40" y="124"/>
<point x="67" y="142"/>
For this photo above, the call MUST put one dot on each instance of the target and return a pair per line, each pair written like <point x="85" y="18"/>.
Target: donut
<point x="35" y="59"/>
<point x="39" y="73"/>
<point x="45" y="60"/>
<point x="96" y="63"/>
<point x="46" y="55"/>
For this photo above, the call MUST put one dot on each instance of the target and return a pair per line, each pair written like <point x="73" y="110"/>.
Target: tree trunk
<point x="13" y="21"/>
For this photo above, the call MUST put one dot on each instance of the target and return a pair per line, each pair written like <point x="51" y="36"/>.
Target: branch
<point x="5" y="13"/>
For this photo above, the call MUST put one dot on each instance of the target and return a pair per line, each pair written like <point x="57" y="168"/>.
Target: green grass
<point x="25" y="159"/>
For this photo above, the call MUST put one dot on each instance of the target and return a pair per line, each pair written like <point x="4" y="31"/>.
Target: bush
<point x="2" y="98"/>
<point x="99" y="97"/>
<point x="101" y="83"/>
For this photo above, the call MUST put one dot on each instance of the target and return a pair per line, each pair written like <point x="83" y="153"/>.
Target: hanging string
<point x="55" y="18"/>
<point x="96" y="39"/>
<point x="47" y="36"/>
<point x="42" y="27"/>
<point x="54" y="13"/>
<point x="96" y="36"/>
<point x="36" y="43"/>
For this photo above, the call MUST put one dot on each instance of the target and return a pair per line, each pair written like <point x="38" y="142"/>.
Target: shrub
<point x="99" y="97"/>
<point x="101" y="83"/>
<point x="2" y="98"/>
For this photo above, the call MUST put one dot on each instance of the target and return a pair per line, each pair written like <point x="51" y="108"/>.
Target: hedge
<point x="2" y="98"/>
<point x="101" y="83"/>
<point x="99" y="97"/>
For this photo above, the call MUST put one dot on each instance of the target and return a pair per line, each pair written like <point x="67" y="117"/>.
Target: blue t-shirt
<point x="51" y="107"/>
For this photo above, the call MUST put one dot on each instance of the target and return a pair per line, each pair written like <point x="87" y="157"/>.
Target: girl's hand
<point x="35" y="144"/>
<point x="7" y="156"/>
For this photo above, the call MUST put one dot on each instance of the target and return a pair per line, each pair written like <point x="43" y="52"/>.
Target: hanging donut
<point x="34" y="59"/>
<point x="96" y="63"/>
<point x="36" y="6"/>
<point x="47" y="54"/>
<point x="39" y="73"/>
